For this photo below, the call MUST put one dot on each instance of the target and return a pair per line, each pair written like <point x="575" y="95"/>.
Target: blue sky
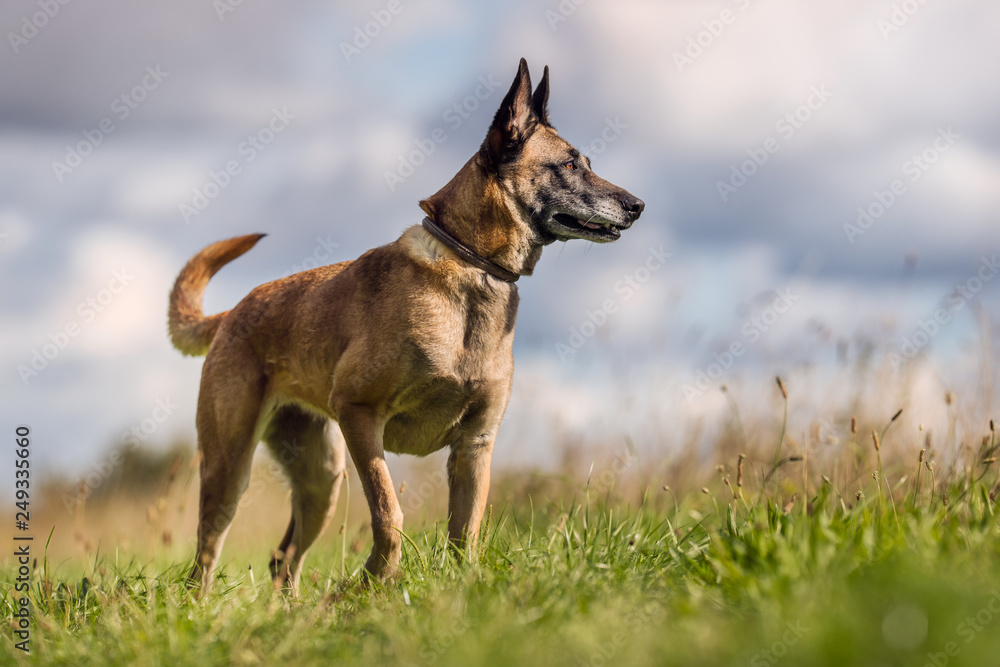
<point x="754" y="130"/>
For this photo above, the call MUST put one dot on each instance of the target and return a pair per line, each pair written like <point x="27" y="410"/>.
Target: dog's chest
<point x="460" y="376"/>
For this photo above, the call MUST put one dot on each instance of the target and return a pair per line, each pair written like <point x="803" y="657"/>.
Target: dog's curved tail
<point x="191" y="331"/>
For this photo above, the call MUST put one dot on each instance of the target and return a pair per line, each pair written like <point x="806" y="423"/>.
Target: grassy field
<point x="843" y="560"/>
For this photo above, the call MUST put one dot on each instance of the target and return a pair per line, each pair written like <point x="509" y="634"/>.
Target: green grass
<point x="711" y="580"/>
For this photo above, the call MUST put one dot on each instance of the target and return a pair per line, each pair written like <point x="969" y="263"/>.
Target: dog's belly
<point x="442" y="413"/>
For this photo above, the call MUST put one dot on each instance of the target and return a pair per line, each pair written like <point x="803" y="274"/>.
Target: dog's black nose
<point x="633" y="206"/>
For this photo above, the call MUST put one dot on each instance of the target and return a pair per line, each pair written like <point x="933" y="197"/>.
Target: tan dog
<point x="408" y="348"/>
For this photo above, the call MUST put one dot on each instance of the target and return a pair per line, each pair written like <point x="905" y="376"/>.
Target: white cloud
<point x="15" y="232"/>
<point x="968" y="183"/>
<point x="104" y="260"/>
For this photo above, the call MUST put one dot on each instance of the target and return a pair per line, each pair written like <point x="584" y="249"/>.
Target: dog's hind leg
<point x="229" y="405"/>
<point x="311" y="451"/>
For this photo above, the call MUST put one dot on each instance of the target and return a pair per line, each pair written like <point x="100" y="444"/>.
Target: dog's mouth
<point x="592" y="229"/>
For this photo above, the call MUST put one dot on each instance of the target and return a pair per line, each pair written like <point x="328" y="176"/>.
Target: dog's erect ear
<point x="514" y="119"/>
<point x="540" y="100"/>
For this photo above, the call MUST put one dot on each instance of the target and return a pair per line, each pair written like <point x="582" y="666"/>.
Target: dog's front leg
<point x="362" y="428"/>
<point x="469" y="484"/>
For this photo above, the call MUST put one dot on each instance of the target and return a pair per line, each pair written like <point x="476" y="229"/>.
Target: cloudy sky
<point x="824" y="177"/>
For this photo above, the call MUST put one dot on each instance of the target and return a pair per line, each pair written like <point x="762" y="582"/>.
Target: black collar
<point x="468" y="254"/>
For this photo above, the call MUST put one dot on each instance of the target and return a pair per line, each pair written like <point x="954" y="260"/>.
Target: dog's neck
<point x="475" y="209"/>
<point x="467" y="254"/>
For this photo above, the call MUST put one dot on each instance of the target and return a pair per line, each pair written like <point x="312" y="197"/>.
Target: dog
<point x="407" y="348"/>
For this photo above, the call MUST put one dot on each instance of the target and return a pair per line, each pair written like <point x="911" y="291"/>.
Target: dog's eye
<point x="571" y="165"/>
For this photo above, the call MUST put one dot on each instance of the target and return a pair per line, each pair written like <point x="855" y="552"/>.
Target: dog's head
<point x="551" y="183"/>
